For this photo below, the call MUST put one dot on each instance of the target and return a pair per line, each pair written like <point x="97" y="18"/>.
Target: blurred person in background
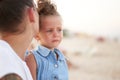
<point x="47" y="62"/>
<point x="19" y="23"/>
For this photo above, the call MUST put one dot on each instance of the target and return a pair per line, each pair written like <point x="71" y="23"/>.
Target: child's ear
<point x="37" y="37"/>
<point x="31" y="13"/>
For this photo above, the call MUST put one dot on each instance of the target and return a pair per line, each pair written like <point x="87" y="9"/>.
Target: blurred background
<point x="91" y="40"/>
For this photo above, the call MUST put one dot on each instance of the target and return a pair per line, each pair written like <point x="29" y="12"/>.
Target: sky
<point x="98" y="17"/>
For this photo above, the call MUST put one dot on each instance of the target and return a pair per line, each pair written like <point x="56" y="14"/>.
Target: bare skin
<point x="31" y="62"/>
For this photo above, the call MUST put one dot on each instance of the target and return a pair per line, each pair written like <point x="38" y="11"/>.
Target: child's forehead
<point x="51" y="19"/>
<point x="51" y="25"/>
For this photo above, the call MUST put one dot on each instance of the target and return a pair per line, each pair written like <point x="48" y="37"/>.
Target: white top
<point x="10" y="62"/>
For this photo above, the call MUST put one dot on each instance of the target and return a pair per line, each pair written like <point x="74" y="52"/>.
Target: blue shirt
<point x="48" y="67"/>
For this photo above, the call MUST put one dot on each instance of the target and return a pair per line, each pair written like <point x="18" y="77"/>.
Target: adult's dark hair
<point x="12" y="14"/>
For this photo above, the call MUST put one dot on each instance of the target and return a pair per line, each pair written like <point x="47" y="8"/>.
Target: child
<point x="47" y="62"/>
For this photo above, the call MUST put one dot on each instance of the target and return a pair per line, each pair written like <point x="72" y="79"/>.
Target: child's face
<point x="51" y="32"/>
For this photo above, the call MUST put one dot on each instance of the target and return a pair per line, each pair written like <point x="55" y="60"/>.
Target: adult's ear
<point x="31" y="14"/>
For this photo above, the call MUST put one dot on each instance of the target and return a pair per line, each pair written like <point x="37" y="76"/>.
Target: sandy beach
<point x="92" y="59"/>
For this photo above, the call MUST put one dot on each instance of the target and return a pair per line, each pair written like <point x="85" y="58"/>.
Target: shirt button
<point x="56" y="65"/>
<point x="55" y="78"/>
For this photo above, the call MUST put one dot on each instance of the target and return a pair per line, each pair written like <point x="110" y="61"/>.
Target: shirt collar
<point x="5" y="45"/>
<point x="45" y="52"/>
<point x="61" y="56"/>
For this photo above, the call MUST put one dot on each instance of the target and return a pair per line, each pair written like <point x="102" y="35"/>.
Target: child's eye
<point x="49" y="30"/>
<point x="59" y="30"/>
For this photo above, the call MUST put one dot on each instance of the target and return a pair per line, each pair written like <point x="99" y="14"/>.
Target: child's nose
<point x="56" y="33"/>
